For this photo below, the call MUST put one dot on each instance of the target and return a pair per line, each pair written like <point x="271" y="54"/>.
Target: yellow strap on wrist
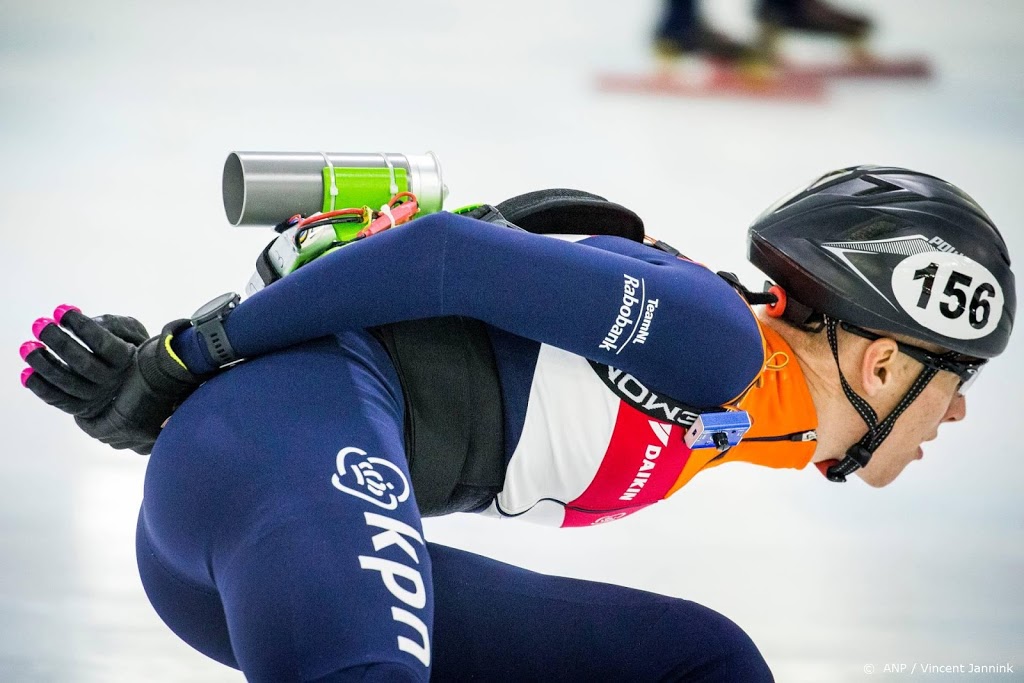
<point x="172" y="354"/>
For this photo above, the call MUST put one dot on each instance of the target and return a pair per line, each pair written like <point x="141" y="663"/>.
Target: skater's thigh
<point x="264" y="437"/>
<point x="282" y="487"/>
<point x="497" y="622"/>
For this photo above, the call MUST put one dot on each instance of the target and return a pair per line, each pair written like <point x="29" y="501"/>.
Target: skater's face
<point x="884" y="371"/>
<point x="940" y="402"/>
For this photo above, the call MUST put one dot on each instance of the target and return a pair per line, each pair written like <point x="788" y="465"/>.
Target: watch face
<point x="214" y="306"/>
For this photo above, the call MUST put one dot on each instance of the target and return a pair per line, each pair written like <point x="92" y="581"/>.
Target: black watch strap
<point x="208" y="322"/>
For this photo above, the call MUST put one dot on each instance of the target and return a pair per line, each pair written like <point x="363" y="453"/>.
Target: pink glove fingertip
<point x="59" y="312"/>
<point x="25" y="374"/>
<point x="28" y="347"/>
<point x="39" y="324"/>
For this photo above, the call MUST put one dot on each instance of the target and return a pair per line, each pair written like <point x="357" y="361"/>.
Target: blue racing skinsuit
<point x="280" y="533"/>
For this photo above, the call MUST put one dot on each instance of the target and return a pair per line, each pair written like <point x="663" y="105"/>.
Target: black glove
<point x="120" y="386"/>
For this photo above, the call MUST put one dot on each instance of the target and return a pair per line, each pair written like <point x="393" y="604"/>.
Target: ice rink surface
<point x="115" y="119"/>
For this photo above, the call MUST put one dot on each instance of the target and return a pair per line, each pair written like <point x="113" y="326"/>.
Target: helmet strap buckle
<point x="857" y="456"/>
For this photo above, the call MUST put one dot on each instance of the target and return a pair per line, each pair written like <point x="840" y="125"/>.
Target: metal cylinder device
<point x="265" y="188"/>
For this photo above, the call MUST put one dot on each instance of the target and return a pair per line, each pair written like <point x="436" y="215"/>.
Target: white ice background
<point x="115" y="118"/>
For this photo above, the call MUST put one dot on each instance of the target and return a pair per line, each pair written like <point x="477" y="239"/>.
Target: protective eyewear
<point x="964" y="367"/>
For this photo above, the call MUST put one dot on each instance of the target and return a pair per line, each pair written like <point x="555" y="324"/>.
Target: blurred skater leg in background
<point x="812" y="17"/>
<point x="682" y="31"/>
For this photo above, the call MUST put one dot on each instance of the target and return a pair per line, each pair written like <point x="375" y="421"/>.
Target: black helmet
<point x="893" y="250"/>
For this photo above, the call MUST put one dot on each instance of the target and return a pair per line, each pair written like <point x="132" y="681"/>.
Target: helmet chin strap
<point x="859" y="454"/>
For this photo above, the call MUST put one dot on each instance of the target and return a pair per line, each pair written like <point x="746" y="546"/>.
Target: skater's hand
<point x="120" y="384"/>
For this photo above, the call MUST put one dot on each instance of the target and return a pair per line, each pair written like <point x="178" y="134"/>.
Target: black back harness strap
<point x="454" y="421"/>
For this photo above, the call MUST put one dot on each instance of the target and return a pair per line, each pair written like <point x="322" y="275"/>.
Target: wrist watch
<point x="208" y="322"/>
